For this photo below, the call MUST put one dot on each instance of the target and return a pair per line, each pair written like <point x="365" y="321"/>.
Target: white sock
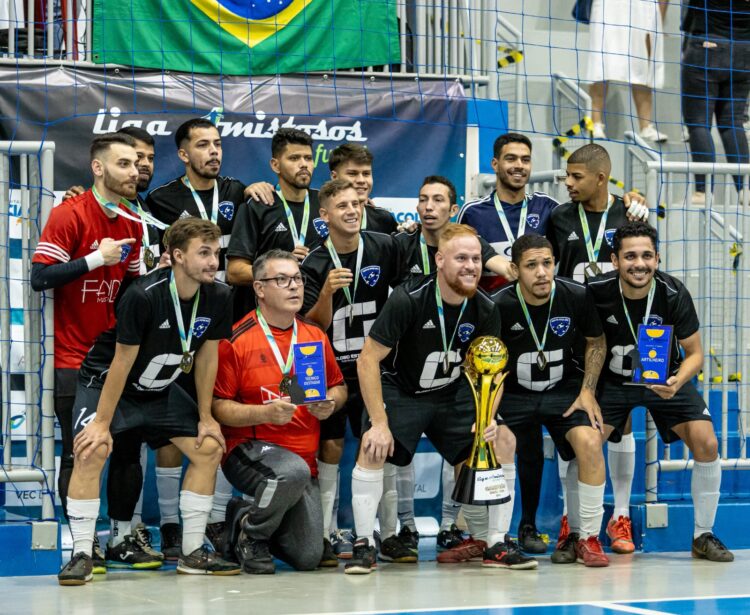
<point x="477" y="520"/>
<point x="500" y="515"/>
<point x="705" y="487"/>
<point x="195" y="509"/>
<point x="405" y="487"/>
<point x="367" y="489"/>
<point x="335" y="511"/>
<point x="591" y="498"/>
<point x="388" y="506"/>
<point x="562" y="472"/>
<point x="168" y="488"/>
<point x="118" y="531"/>
<point x="328" y="474"/>
<point x="621" y="458"/>
<point x="450" y="507"/>
<point x="222" y="495"/>
<point x="137" y="513"/>
<point x="571" y="497"/>
<point x="82" y="515"/>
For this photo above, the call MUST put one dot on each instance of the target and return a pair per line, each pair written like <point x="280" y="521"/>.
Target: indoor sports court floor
<point x="646" y="584"/>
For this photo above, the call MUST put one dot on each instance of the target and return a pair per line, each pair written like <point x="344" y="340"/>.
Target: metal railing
<point x="539" y="181"/>
<point x="570" y="104"/>
<point x="30" y="166"/>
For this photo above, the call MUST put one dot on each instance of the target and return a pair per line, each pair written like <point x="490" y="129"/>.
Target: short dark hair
<point x="178" y="235"/>
<point x="331" y="188"/>
<point x="287" y="136"/>
<point x="184" y="129"/>
<point x="439" y="179"/>
<point x="102" y="143"/>
<point x="349" y="152"/>
<point x="593" y="156"/>
<point x="524" y="243"/>
<point x="261" y="263"/>
<point x="635" y="228"/>
<point x="139" y="134"/>
<point x="509" y="137"/>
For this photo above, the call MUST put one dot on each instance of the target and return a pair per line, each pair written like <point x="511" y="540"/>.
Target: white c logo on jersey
<point x="340" y="342"/>
<point x="617" y="362"/>
<point x="148" y="379"/>
<point x="527" y="363"/>
<point x="434" y="361"/>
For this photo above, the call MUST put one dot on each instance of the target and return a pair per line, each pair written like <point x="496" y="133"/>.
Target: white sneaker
<point x="598" y="132"/>
<point x="649" y="133"/>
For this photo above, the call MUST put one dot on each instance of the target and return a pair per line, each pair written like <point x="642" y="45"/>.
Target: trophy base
<point x="481" y="486"/>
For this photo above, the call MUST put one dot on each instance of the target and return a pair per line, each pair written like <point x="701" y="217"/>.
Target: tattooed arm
<point x="596" y="350"/>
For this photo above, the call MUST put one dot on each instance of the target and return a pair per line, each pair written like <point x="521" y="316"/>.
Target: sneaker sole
<point x="562" y="560"/>
<point x="699" y="555"/>
<point x="596" y="564"/>
<point x="344" y="555"/>
<point x="488" y="563"/>
<point x="142" y="566"/>
<point x="72" y="582"/>
<point x="259" y="571"/>
<point x="329" y="563"/>
<point x="215" y="573"/>
<point x="627" y="549"/>
<point x="358" y="570"/>
<point x="99" y="569"/>
<point x="405" y="559"/>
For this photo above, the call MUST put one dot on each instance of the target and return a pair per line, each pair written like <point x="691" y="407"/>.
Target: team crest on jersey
<point x="533" y="220"/>
<point x="370" y="274"/>
<point x="559" y="325"/>
<point x="654" y="320"/>
<point x="464" y="331"/>
<point x="200" y="326"/>
<point x="226" y="209"/>
<point x="125" y="252"/>
<point x="609" y="236"/>
<point x="321" y="226"/>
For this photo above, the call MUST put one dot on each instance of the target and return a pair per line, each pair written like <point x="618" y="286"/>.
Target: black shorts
<point x="617" y="400"/>
<point x="525" y="410"/>
<point x="334" y="427"/>
<point x="445" y="417"/>
<point x="156" y="419"/>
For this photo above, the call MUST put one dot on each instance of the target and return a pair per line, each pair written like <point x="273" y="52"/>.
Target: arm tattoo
<point x="596" y="350"/>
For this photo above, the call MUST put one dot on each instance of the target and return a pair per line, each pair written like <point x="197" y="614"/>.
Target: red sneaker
<point x="620" y="532"/>
<point x="564" y="531"/>
<point x="469" y="549"/>
<point x="589" y="553"/>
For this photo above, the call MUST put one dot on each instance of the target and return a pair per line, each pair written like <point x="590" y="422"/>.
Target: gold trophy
<point x="481" y="480"/>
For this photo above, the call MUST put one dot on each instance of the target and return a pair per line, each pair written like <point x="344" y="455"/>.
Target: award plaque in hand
<point x="650" y="359"/>
<point x="481" y="480"/>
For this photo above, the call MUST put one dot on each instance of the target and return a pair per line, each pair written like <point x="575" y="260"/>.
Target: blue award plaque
<point x="650" y="361"/>
<point x="310" y="372"/>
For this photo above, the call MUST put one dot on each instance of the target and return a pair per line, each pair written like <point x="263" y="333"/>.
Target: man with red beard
<point x="421" y="336"/>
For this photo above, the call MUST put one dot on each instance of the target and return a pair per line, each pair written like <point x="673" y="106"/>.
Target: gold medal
<point x="541" y="360"/>
<point x="187" y="362"/>
<point x="350" y="309"/>
<point x="285" y="385"/>
<point x="591" y="271"/>
<point x="446" y="365"/>
<point x="148" y="258"/>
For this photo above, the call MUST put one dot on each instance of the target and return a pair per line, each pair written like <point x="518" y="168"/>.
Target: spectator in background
<point x="715" y="80"/>
<point x="626" y="46"/>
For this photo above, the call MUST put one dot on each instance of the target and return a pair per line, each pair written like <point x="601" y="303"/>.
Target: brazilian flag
<point x="245" y="37"/>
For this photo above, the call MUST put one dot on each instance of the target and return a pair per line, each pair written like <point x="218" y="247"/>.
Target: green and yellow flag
<point x="246" y="37"/>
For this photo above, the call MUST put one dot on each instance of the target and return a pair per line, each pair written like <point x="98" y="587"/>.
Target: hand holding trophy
<point x="481" y="480"/>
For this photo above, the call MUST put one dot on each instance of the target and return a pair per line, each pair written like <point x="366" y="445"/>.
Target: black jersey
<point x="672" y="305"/>
<point x="565" y="233"/>
<point x="261" y="227"/>
<point x="410" y="326"/>
<point x="572" y="319"/>
<point x="146" y="317"/>
<point x="411" y="252"/>
<point x="381" y="270"/>
<point x="379" y="220"/>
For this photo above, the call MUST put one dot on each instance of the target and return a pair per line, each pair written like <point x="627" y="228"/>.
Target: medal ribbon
<point x="441" y="317"/>
<point x="504" y="218"/>
<point x="297" y="236"/>
<point x="199" y="201"/>
<point x="539" y="347"/>
<point x="425" y="256"/>
<point x="593" y="250"/>
<point x="185" y="340"/>
<point x="113" y="207"/>
<point x="337" y="263"/>
<point x="284" y="367"/>
<point x="363" y="226"/>
<point x="649" y="303"/>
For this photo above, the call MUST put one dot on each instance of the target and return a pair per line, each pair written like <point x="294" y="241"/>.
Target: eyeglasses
<point x="283" y="281"/>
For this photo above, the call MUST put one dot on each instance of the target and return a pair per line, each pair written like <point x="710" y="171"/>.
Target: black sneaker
<point x="237" y="508"/>
<point x="506" y="554"/>
<point x="530" y="540"/>
<point x="77" y="571"/>
<point x="142" y="536"/>
<point x="392" y="549"/>
<point x="447" y="539"/>
<point x="171" y="541"/>
<point x="128" y="554"/>
<point x="97" y="557"/>
<point x="565" y="551"/>
<point x="409" y="538"/>
<point x="254" y="555"/>
<point x="707" y="546"/>
<point x="328" y="559"/>
<point x="205" y="561"/>
<point x="215" y="535"/>
<point x="364" y="558"/>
